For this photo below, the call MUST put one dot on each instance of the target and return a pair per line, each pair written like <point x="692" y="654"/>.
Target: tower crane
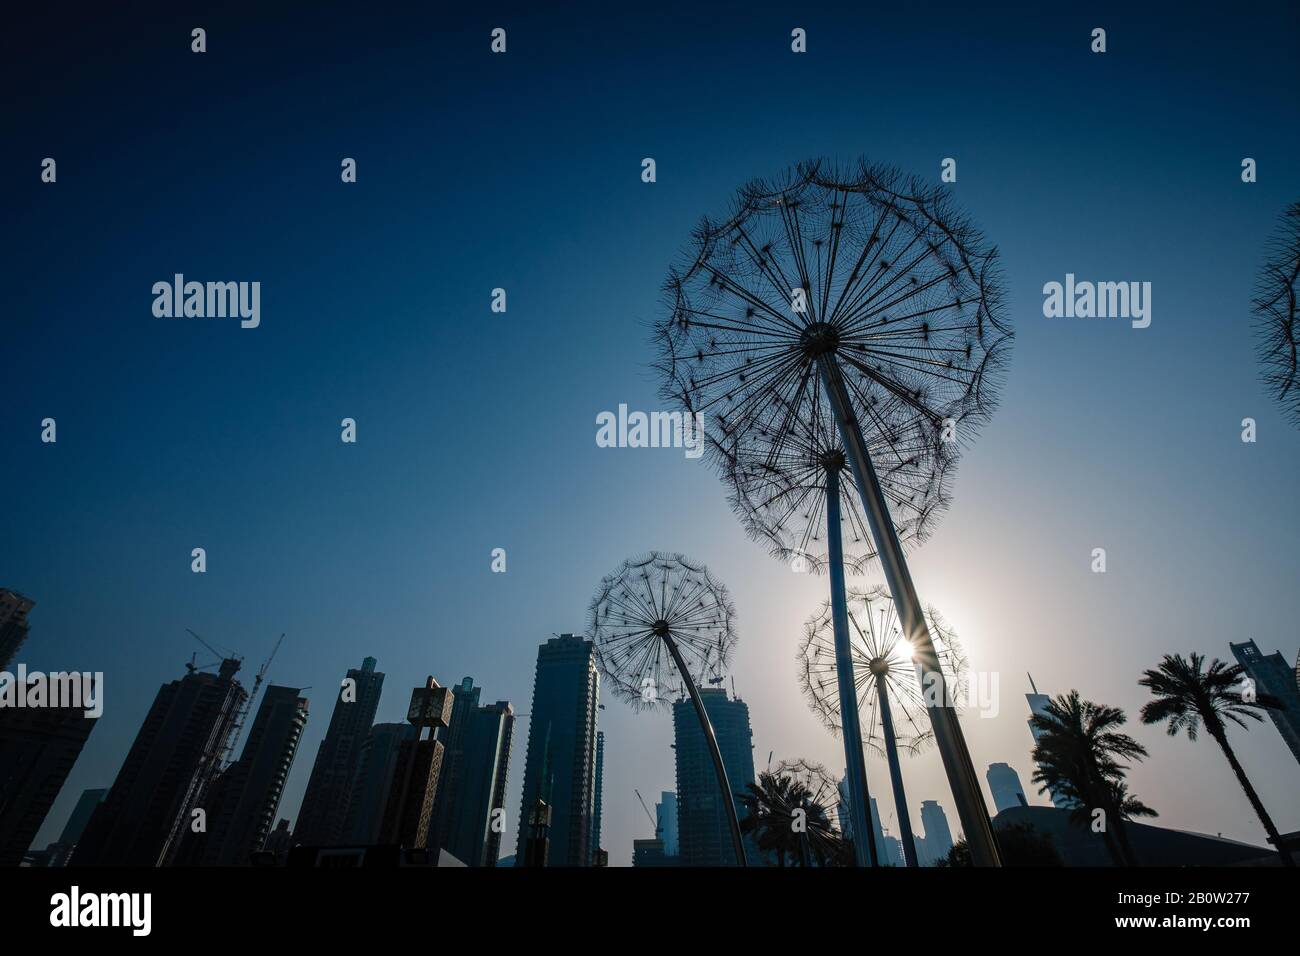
<point x="653" y="822"/>
<point x="242" y="717"/>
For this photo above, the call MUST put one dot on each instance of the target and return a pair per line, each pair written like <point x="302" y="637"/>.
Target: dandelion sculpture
<point x="661" y="624"/>
<point x="1277" y="320"/>
<point x="786" y="487"/>
<point x="818" y="795"/>
<point x="864" y="290"/>
<point x="888" y="687"/>
<point x="798" y="798"/>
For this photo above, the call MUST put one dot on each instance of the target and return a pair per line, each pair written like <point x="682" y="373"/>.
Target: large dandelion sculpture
<point x="661" y="624"/>
<point x="786" y="487"/>
<point x="888" y="685"/>
<point x="864" y="291"/>
<point x="1277" y="320"/>
<point x="813" y="790"/>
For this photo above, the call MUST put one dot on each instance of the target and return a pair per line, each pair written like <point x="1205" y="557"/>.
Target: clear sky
<point x="477" y="430"/>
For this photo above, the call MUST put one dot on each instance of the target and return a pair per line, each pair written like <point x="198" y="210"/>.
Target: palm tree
<point x="1081" y="757"/>
<point x="771" y="807"/>
<point x="1126" y="808"/>
<point x="1187" y="694"/>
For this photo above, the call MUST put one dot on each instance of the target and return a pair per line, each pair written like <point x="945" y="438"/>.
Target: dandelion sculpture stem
<point x="719" y="769"/>
<point x="891" y="695"/>
<point x="971" y="809"/>
<point x="873" y="286"/>
<point x="864" y="844"/>
<point x="660" y="624"/>
<point x="896" y="774"/>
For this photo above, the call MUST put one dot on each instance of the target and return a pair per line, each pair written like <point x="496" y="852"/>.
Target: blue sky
<point x="476" y="430"/>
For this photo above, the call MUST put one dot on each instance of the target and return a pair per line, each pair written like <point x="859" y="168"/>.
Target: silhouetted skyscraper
<point x="464" y="701"/>
<point x="38" y="746"/>
<point x="374" y="780"/>
<point x="888" y="849"/>
<point x="322" y="821"/>
<point x="703" y="832"/>
<point x="666" y="822"/>
<point x="1004" y="784"/>
<point x="492" y="853"/>
<point x="1273" y="675"/>
<point x="243" y="801"/>
<point x="13" y="624"/>
<point x="166" y="772"/>
<point x="474" y="771"/>
<point x="76" y="826"/>
<point x="279" y="840"/>
<point x="938" y="838"/>
<point x="560" y="762"/>
<point x="600" y="789"/>
<point x="650" y="853"/>
<point x="1038" y="707"/>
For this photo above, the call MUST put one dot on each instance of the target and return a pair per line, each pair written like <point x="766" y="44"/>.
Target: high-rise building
<point x="279" y="841"/>
<point x="166" y="772"/>
<point x="243" y="801"/>
<point x="38" y="746"/>
<point x="938" y="838"/>
<point x="666" y="822"/>
<point x="560" y="762"/>
<point x="474" y="771"/>
<point x="703" y="831"/>
<point x="322" y="820"/>
<point x="1037" y="708"/>
<point x="492" y="852"/>
<point x="600" y="790"/>
<point x="650" y="853"/>
<point x="1004" y="784"/>
<point x="464" y="701"/>
<point x="76" y="825"/>
<point x="888" y="848"/>
<point x="408" y="817"/>
<point x="374" y="780"/>
<point x="1272" y="675"/>
<point x="13" y="624"/>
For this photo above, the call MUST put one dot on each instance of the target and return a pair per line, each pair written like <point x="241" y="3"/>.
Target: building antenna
<point x="1031" y="682"/>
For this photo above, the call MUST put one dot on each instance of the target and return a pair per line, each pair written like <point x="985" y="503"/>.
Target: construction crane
<point x="242" y="717"/>
<point x="191" y="667"/>
<point x="216" y="749"/>
<point x="653" y="822"/>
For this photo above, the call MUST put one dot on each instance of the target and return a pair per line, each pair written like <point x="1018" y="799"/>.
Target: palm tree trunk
<point x="1273" y="836"/>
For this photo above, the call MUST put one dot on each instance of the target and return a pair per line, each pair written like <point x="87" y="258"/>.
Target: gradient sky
<point x="476" y="430"/>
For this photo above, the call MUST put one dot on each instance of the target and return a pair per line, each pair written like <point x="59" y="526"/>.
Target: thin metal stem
<point x="728" y="798"/>
<point x="971" y="809"/>
<point x="864" y="843"/>
<point x="896" y="775"/>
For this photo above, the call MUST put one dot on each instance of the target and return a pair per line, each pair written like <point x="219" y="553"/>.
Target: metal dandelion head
<point x="779" y="482"/>
<point x="860" y="264"/>
<point x="645" y="606"/>
<point x="881" y="654"/>
<point x="1277" y="319"/>
<point x="817" y="786"/>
